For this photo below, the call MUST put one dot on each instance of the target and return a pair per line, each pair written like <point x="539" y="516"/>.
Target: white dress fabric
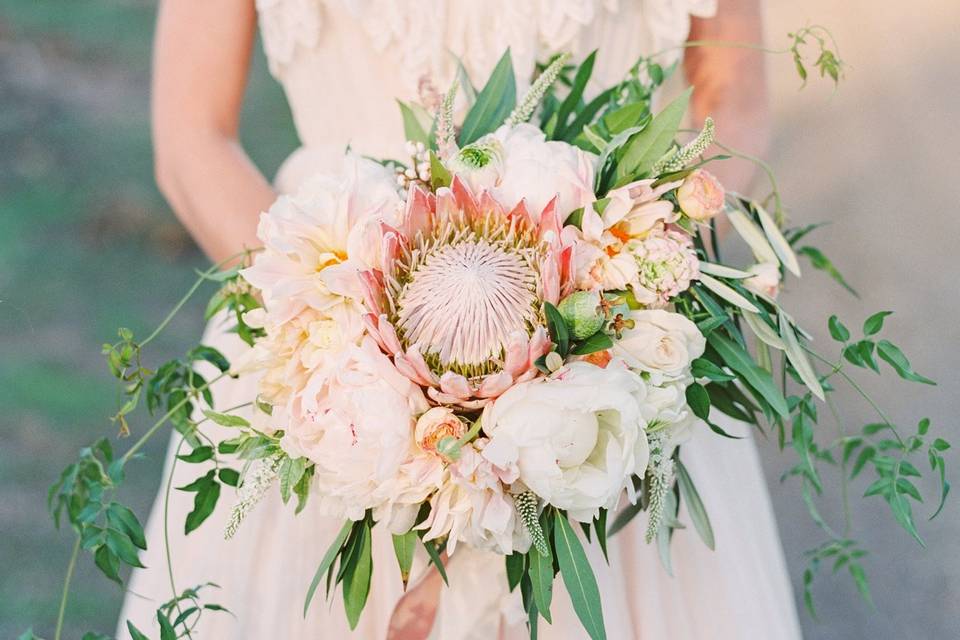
<point x="342" y="64"/>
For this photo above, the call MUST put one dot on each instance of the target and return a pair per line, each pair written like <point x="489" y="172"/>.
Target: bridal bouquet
<point x="503" y="342"/>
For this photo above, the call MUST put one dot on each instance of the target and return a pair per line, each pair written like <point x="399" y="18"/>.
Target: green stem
<point x="66" y="587"/>
<point x="204" y="276"/>
<point x="159" y="423"/>
<point x="844" y="480"/>
<point x="166" y="531"/>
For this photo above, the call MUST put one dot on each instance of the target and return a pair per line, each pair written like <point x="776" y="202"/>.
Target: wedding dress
<point x="342" y="63"/>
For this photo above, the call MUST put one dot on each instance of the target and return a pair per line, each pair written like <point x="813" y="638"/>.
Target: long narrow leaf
<point x="798" y="358"/>
<point x="494" y="103"/>
<point x="698" y="513"/>
<point x="327" y="562"/>
<point x="578" y="578"/>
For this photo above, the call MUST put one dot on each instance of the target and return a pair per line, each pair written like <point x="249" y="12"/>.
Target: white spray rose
<point x="661" y="343"/>
<point x="574" y="439"/>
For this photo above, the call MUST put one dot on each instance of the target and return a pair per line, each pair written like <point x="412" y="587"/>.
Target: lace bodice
<point x="343" y="62"/>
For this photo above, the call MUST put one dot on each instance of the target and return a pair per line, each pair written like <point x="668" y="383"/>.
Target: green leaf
<point x="578" y="578"/>
<point x="541" y="579"/>
<point x="403" y="547"/>
<point x="624" y="517"/>
<point x="121" y="545"/>
<point x="494" y="102"/>
<point x="798" y="358"/>
<point x="332" y="552"/>
<point x="123" y="519"/>
<point x="439" y="175"/>
<point x="557" y="327"/>
<point x="597" y="342"/>
<point x="573" y="99"/>
<point x="167" y="632"/>
<point x="838" y="331"/>
<point x="291" y="470"/>
<point x="822" y="263"/>
<point x="703" y="368"/>
<point x="211" y="355"/>
<point x="229" y="477"/>
<point x="698" y="513"/>
<point x="874" y="323"/>
<point x="225" y="420"/>
<point x="135" y="634"/>
<point x="727" y="292"/>
<point x="892" y="355"/>
<point x="412" y="128"/>
<point x="431" y="548"/>
<point x="740" y="361"/>
<point x="625" y="117"/>
<point x="199" y="454"/>
<point x="108" y="563"/>
<point x="208" y="492"/>
<point x="653" y="141"/>
<point x="515" y="569"/>
<point x="699" y="401"/>
<point x="356" y="583"/>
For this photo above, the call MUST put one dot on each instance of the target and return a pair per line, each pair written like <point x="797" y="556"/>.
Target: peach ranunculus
<point x="435" y="425"/>
<point x="700" y="196"/>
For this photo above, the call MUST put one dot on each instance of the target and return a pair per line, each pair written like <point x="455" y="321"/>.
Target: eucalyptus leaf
<point x="578" y="578"/>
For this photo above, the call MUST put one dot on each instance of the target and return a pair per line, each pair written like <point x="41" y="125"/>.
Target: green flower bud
<point x="582" y="312"/>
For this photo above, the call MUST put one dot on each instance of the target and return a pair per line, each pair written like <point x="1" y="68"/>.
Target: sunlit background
<point x="87" y="245"/>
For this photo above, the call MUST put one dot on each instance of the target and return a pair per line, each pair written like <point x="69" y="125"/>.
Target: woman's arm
<point x="201" y="60"/>
<point x="730" y="85"/>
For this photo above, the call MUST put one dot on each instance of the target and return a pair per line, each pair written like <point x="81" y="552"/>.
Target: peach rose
<point x="435" y="425"/>
<point x="700" y="196"/>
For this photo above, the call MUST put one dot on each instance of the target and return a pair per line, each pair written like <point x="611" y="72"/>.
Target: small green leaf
<point x="121" y="545"/>
<point x="541" y="579"/>
<point x="199" y="454"/>
<point x="874" y="323"/>
<point x="557" y="327"/>
<point x="837" y="329"/>
<point x="578" y="578"/>
<point x="431" y="547"/>
<point x="123" y="519"/>
<point x="892" y="355"/>
<point x="135" y="634"/>
<point x="822" y="263"/>
<point x="758" y="379"/>
<point x="699" y="401"/>
<point x="515" y="569"/>
<point x="403" y="547"/>
<point x="225" y="420"/>
<point x="703" y="368"/>
<point x="413" y="129"/>
<point x="597" y="342"/>
<point x="229" y="477"/>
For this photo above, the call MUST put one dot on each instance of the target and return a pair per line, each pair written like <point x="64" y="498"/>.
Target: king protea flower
<point x="457" y="298"/>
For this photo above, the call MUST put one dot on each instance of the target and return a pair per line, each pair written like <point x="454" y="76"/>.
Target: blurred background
<point x="87" y="245"/>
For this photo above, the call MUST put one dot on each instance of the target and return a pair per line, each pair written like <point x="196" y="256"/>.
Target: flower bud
<point x="700" y="196"/>
<point x="583" y="313"/>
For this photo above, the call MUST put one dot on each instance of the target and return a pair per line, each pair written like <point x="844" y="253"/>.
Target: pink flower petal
<point x="456" y="385"/>
<point x="373" y="294"/>
<point x="539" y="344"/>
<point x="418" y="215"/>
<point x="494" y="385"/>
<point x="517" y="358"/>
<point x="389" y="335"/>
<point x="548" y="229"/>
<point x="464" y="198"/>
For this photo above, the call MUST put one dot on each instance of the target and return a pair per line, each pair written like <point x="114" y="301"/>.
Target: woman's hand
<point x="201" y="60"/>
<point x="731" y="86"/>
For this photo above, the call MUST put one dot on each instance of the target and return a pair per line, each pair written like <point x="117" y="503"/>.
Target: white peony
<point x="574" y="439"/>
<point x="473" y="507"/>
<point x="520" y="164"/>
<point x="661" y="343"/>
<point x="356" y="423"/>
<point x="310" y="239"/>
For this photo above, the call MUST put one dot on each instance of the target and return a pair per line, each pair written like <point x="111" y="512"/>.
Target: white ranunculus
<point x="661" y="343"/>
<point x="307" y="259"/>
<point x="356" y="423"/>
<point x="574" y="439"/>
<point x="537" y="170"/>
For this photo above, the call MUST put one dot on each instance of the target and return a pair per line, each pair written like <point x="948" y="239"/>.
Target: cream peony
<point x="472" y="506"/>
<point x="700" y="196"/>
<point x="537" y="170"/>
<point x="310" y="237"/>
<point x="357" y="424"/>
<point x="574" y="439"/>
<point x="660" y="343"/>
<point x="765" y="279"/>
